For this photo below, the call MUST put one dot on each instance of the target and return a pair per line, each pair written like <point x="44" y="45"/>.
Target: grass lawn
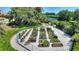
<point x="5" y="40"/>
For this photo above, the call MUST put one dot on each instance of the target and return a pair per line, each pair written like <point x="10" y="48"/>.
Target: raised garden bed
<point x="33" y="36"/>
<point x="25" y="34"/>
<point x="53" y="38"/>
<point x="43" y="43"/>
<point x="57" y="44"/>
<point x="42" y="33"/>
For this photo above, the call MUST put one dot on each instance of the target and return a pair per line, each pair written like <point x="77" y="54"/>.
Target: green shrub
<point x="43" y="43"/>
<point x="76" y="37"/>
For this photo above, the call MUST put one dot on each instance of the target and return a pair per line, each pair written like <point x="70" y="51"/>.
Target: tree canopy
<point x="27" y="15"/>
<point x="65" y="15"/>
<point x="76" y="14"/>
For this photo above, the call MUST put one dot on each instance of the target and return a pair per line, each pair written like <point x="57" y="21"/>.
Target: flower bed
<point x="33" y="36"/>
<point x="42" y="34"/>
<point x="43" y="43"/>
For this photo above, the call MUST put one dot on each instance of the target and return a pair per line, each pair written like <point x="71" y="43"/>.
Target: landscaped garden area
<point x="37" y="39"/>
<point x="28" y="21"/>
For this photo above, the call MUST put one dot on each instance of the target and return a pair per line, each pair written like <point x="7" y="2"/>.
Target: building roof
<point x="3" y="15"/>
